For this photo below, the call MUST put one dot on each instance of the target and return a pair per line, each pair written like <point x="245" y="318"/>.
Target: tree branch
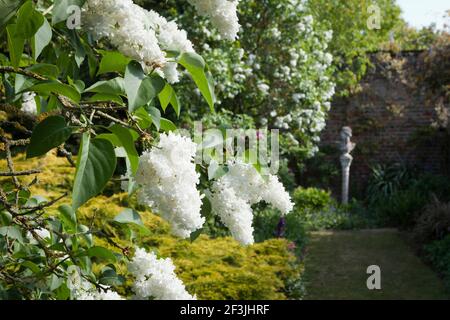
<point x="20" y="173"/>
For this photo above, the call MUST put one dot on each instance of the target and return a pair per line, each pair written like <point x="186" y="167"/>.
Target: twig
<point x="19" y="173"/>
<point x="9" y="160"/>
<point x="107" y="116"/>
<point x="67" y="154"/>
<point x="41" y="206"/>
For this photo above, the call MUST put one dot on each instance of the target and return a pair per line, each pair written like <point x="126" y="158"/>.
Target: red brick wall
<point x="385" y="115"/>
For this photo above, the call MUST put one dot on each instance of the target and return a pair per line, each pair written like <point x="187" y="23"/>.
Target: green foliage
<point x="56" y="87"/>
<point x="266" y="224"/>
<point x="211" y="268"/>
<point x="386" y="180"/>
<point x="9" y="8"/>
<point x="195" y="65"/>
<point x="438" y="253"/>
<point x="222" y="269"/>
<point x="140" y="89"/>
<point x="112" y="62"/>
<point x="352" y="39"/>
<point x="433" y="223"/>
<point x="397" y="196"/>
<point x="311" y="198"/>
<point x="317" y="210"/>
<point x="95" y="166"/>
<point x="168" y="95"/>
<point x="126" y="140"/>
<point x="48" y="134"/>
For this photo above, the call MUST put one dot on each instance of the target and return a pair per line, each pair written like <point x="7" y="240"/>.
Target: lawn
<point x="336" y="264"/>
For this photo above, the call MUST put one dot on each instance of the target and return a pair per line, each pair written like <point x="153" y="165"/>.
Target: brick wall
<point x="385" y="116"/>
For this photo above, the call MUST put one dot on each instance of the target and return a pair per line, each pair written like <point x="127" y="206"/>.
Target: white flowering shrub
<point x="280" y="71"/>
<point x="105" y="76"/>
<point x="242" y="186"/>
<point x="155" y="278"/>
<point x="168" y="183"/>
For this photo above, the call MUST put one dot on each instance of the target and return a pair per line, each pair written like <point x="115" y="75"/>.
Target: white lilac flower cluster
<point x="155" y="278"/>
<point x="233" y="194"/>
<point x="138" y="33"/>
<point x="84" y="290"/>
<point x="167" y="179"/>
<point x="222" y="14"/>
<point x="28" y="103"/>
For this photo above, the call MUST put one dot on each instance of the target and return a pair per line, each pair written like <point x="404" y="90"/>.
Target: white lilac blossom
<point x="138" y="33"/>
<point x="264" y="88"/>
<point x="234" y="212"/>
<point x="222" y="14"/>
<point x="28" y="103"/>
<point x="275" y="194"/>
<point x="155" y="278"/>
<point x="233" y="194"/>
<point x="167" y="183"/>
<point x="84" y="290"/>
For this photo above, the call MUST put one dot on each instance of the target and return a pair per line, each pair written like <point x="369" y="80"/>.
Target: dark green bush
<point x="397" y="197"/>
<point x="387" y="180"/>
<point x="335" y="217"/>
<point x="312" y="199"/>
<point x="438" y="253"/>
<point x="266" y="226"/>
<point x="433" y="223"/>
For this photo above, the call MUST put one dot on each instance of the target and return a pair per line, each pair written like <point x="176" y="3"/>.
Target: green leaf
<point x="15" y="45"/>
<point x="48" y="134"/>
<point x="41" y="39"/>
<point x="32" y="266"/>
<point x="68" y="218"/>
<point x="54" y="86"/>
<point x="194" y="235"/>
<point x="109" y="276"/>
<point x="114" y="86"/>
<point x="102" y="253"/>
<point x="60" y="9"/>
<point x="22" y="83"/>
<point x="140" y="89"/>
<point x="105" y="97"/>
<point x="143" y="118"/>
<point x="44" y="69"/>
<point x="126" y="139"/>
<point x="76" y="43"/>
<point x="111" y="138"/>
<point x="195" y="65"/>
<point x="168" y="95"/>
<point x="129" y="216"/>
<point x="12" y="232"/>
<point x="167" y="125"/>
<point x="54" y="282"/>
<point x="92" y="59"/>
<point x="95" y="166"/>
<point x="112" y="62"/>
<point x="8" y="9"/>
<point x="156" y="117"/>
<point x="28" y="20"/>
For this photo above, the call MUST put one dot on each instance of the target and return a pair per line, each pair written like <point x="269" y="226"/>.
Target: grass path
<point x="336" y="264"/>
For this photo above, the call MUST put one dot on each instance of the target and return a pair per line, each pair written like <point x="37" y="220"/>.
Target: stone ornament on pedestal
<point x="346" y="146"/>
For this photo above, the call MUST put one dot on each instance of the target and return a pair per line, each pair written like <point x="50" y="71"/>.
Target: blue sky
<point x="420" y="13"/>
